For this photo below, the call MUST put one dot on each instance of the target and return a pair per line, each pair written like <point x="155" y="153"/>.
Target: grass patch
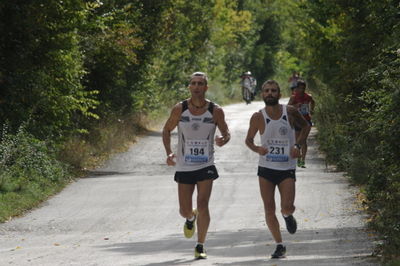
<point x="32" y="170"/>
<point x="107" y="137"/>
<point x="16" y="203"/>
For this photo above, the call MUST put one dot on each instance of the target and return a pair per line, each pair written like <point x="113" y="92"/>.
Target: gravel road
<point x="126" y="213"/>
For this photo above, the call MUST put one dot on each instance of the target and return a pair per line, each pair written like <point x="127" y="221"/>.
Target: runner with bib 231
<point x="277" y="151"/>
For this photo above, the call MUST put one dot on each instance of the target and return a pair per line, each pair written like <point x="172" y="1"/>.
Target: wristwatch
<point x="298" y="146"/>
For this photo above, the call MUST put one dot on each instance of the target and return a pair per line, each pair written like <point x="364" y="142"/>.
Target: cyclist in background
<point x="248" y="84"/>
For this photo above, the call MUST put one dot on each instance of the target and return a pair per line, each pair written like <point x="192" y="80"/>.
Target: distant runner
<point x="305" y="104"/>
<point x="277" y="162"/>
<point x="197" y="119"/>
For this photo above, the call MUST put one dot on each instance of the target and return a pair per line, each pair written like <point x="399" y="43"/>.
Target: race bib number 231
<point x="278" y="150"/>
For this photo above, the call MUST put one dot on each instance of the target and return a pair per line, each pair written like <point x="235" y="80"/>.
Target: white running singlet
<point x="195" y="139"/>
<point x="278" y="138"/>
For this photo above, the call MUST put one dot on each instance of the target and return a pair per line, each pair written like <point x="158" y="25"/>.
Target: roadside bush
<point x="107" y="136"/>
<point x="363" y="141"/>
<point x="381" y="125"/>
<point x="28" y="172"/>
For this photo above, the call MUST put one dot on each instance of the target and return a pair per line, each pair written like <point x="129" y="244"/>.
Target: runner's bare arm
<point x="169" y="126"/>
<point x="219" y="119"/>
<point x="255" y="122"/>
<point x="296" y="119"/>
<point x="292" y="102"/>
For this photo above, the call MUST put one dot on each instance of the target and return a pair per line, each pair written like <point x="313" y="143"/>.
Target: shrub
<point x="29" y="172"/>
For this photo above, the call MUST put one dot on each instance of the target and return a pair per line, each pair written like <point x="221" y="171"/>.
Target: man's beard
<point x="271" y="101"/>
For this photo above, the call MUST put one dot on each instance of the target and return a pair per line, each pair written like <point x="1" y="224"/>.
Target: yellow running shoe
<point x="190" y="226"/>
<point x="200" y="252"/>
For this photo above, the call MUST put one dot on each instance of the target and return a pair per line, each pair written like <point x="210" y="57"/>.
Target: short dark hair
<point x="271" y="82"/>
<point x="301" y="82"/>
<point x="200" y="74"/>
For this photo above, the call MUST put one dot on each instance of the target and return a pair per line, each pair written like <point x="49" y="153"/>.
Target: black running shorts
<point x="193" y="177"/>
<point x="276" y="176"/>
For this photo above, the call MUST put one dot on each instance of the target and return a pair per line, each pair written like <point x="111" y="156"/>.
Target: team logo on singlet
<point x="283" y="131"/>
<point x="195" y="126"/>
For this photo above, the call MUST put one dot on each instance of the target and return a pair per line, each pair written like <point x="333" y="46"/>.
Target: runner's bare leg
<point x="267" y="190"/>
<point x="287" y="191"/>
<point x="204" y="189"/>
<point x="185" y="194"/>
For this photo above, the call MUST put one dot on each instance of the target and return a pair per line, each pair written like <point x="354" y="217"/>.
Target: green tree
<point x="41" y="66"/>
<point x="352" y="51"/>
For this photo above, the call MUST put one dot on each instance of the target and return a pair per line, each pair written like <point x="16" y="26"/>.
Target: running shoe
<point x="200" y="252"/>
<point x="190" y="226"/>
<point x="280" y="252"/>
<point x="291" y="224"/>
<point x="301" y="163"/>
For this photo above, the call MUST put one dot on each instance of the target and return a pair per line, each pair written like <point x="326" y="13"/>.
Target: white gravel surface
<point x="126" y="213"/>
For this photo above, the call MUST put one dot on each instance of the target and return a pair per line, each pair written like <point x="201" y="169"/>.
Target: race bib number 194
<point x="196" y="151"/>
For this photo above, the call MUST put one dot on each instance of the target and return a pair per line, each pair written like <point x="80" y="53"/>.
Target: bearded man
<point x="278" y="151"/>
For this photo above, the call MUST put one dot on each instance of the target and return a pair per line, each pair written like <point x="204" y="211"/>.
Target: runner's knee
<point x="202" y="205"/>
<point x="270" y="215"/>
<point x="269" y="210"/>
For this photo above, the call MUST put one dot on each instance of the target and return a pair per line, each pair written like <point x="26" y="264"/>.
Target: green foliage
<point x="381" y="125"/>
<point x="24" y="158"/>
<point x="41" y="67"/>
<point x="114" y="39"/>
<point x="351" y="48"/>
<point x="263" y="39"/>
<point x="182" y="50"/>
<point x="27" y="167"/>
<point x="71" y="70"/>
<point x="65" y="64"/>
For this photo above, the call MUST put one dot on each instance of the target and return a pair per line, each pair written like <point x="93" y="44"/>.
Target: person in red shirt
<point x="305" y="103"/>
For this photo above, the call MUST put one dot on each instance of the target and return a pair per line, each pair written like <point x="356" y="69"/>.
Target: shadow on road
<point x="343" y="246"/>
